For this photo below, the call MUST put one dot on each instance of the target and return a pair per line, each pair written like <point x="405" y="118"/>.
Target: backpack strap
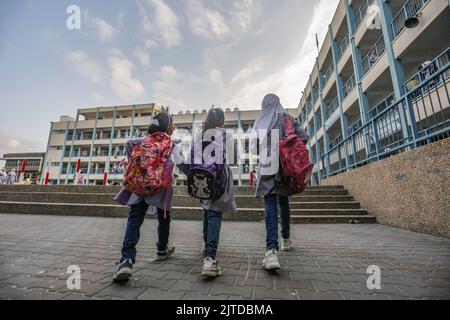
<point x="288" y="125"/>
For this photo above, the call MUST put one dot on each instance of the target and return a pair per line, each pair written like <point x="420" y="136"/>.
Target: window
<point x="55" y="164"/>
<point x="54" y="148"/>
<point x="59" y="132"/>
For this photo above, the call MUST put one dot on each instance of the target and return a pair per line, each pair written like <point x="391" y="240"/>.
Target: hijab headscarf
<point x="271" y="109"/>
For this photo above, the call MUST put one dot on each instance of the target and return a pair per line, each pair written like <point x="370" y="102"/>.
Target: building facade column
<point x="45" y="165"/>
<point x="339" y="87"/>
<point x="94" y="134"/>
<point x="239" y="148"/>
<point x="61" y="163"/>
<point x="113" y="133"/>
<point x="395" y="66"/>
<point x="74" y="133"/>
<point x="357" y="64"/>
<point x="133" y="112"/>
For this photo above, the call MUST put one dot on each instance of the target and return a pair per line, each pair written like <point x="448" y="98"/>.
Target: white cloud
<point x="122" y="81"/>
<point x="247" y="72"/>
<point x="243" y="12"/>
<point x="216" y="77"/>
<point x="143" y="57"/>
<point x="252" y="82"/>
<point x="10" y="144"/>
<point x="85" y="65"/>
<point x="105" y="31"/>
<point x="164" y="24"/>
<point x="169" y="73"/>
<point x="149" y="44"/>
<point x="205" y="22"/>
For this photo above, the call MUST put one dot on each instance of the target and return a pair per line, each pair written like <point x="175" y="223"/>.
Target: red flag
<point x="46" y="178"/>
<point x="105" y="177"/>
<point x="78" y="165"/>
<point x="24" y="165"/>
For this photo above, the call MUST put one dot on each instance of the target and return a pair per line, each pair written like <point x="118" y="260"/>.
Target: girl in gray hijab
<point x="267" y="131"/>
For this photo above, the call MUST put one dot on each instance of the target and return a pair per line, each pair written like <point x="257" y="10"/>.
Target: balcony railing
<point x="354" y="127"/>
<point x="374" y="54"/>
<point x="433" y="66"/>
<point x="361" y="13"/>
<point x="331" y="107"/>
<point x="308" y="107"/>
<point x="315" y="96"/>
<point x="381" y="106"/>
<point x="328" y="74"/>
<point x="342" y="46"/>
<point x="100" y="154"/>
<point x="335" y="142"/>
<point x="318" y="123"/>
<point x="349" y="85"/>
<point x="402" y="126"/>
<point x="409" y="9"/>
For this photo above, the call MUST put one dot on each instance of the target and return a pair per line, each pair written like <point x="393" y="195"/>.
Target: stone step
<point x="31" y="196"/>
<point x="180" y="213"/>
<point x="334" y="219"/>
<point x="116" y="189"/>
<point x="301" y="202"/>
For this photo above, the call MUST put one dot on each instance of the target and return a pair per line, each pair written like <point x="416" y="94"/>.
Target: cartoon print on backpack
<point x="201" y="187"/>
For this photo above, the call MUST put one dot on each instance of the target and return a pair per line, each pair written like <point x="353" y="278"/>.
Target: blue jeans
<point x="212" y="222"/>
<point x="132" y="234"/>
<point x="271" y="218"/>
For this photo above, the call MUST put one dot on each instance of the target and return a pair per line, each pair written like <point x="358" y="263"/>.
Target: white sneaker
<point x="271" y="262"/>
<point x="285" y="244"/>
<point x="211" y="268"/>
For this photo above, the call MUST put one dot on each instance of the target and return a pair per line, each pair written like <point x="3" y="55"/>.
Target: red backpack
<point x="149" y="169"/>
<point x="294" y="158"/>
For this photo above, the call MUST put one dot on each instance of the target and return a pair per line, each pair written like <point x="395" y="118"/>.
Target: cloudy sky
<point x="188" y="54"/>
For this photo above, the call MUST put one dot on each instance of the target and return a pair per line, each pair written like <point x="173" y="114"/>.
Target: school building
<point x="31" y="162"/>
<point x="379" y="85"/>
<point x="96" y="139"/>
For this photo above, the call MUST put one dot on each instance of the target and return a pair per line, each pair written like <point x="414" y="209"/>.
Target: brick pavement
<point x="327" y="262"/>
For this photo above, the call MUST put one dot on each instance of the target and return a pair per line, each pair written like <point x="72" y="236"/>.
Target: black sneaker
<point x="164" y="255"/>
<point x="124" y="271"/>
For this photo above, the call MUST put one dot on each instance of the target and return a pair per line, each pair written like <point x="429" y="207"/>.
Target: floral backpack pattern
<point x="149" y="168"/>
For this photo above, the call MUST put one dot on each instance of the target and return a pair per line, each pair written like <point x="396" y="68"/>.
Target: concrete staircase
<point x="325" y="204"/>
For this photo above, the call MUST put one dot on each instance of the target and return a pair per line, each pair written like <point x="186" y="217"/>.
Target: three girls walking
<point x="160" y="200"/>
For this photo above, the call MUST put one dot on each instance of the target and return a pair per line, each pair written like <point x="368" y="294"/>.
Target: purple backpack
<point x="207" y="181"/>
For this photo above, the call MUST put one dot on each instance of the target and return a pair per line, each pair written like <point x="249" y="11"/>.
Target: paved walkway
<point x="328" y="262"/>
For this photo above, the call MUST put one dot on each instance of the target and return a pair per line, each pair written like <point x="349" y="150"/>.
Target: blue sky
<point x="188" y="54"/>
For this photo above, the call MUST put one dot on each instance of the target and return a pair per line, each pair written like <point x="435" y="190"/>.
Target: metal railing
<point x="308" y="107"/>
<point x="403" y="126"/>
<point x="372" y="57"/>
<point x="314" y="96"/>
<point x="318" y="123"/>
<point x="433" y="66"/>
<point x="331" y="107"/>
<point x="409" y="9"/>
<point x="349" y="85"/>
<point x="335" y="142"/>
<point x="381" y="106"/>
<point x="354" y="127"/>
<point x="361" y="13"/>
<point x="342" y="46"/>
<point x="328" y="74"/>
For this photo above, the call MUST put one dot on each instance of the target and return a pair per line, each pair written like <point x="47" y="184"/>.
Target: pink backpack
<point x="149" y="169"/>
<point x="294" y="158"/>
